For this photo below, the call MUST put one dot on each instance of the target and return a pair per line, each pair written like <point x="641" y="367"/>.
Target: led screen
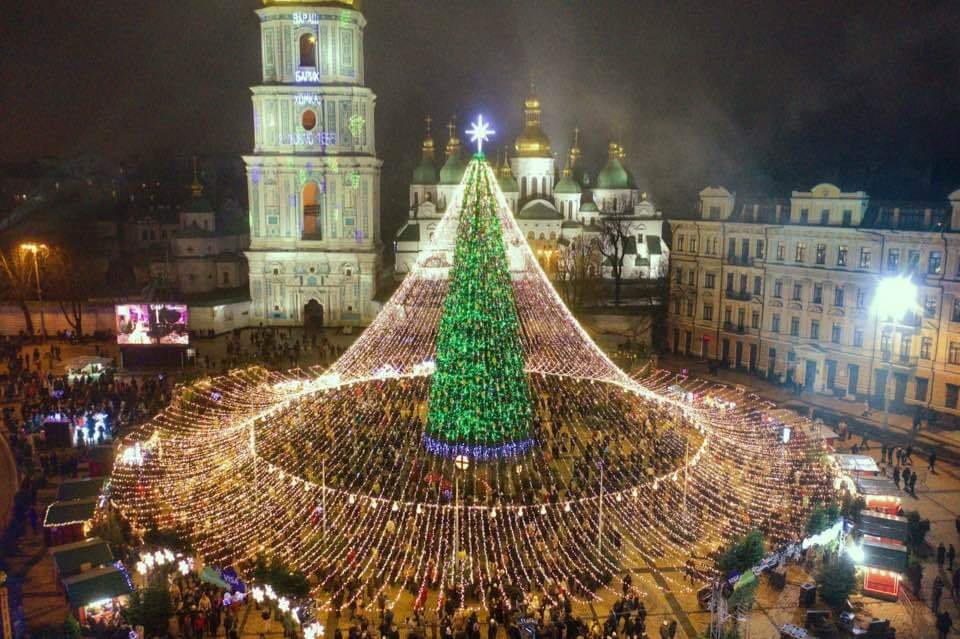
<point x="152" y="325"/>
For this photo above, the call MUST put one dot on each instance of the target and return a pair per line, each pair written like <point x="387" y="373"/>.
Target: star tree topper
<point x="480" y="133"/>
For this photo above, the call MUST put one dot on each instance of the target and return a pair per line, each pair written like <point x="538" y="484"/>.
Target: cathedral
<point x="551" y="212"/>
<point x="314" y="177"/>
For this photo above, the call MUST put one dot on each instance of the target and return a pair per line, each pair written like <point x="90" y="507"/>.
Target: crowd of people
<point x="272" y="347"/>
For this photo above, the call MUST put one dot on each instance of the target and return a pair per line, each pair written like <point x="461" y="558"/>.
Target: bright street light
<point x="894" y="299"/>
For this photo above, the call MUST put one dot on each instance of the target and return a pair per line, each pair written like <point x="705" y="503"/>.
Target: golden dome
<point x="532" y="142"/>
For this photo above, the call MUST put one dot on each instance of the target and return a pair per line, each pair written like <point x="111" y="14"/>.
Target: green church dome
<point x="425" y="173"/>
<point x="566" y="185"/>
<point x="613" y="176"/>
<point x="452" y="172"/>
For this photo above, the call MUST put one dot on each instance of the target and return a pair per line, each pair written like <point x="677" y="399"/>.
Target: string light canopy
<point x="473" y="438"/>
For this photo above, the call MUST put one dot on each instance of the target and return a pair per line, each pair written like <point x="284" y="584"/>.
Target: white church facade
<point x="551" y="212"/>
<point x="314" y="177"/>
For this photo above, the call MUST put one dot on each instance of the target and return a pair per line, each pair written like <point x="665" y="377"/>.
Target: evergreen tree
<point x="479" y="393"/>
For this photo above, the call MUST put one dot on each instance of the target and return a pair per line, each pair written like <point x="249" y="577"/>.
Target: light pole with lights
<point x="894" y="298"/>
<point x="36" y="250"/>
<point x="461" y="463"/>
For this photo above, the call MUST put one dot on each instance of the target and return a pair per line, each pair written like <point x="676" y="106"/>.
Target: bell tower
<point x="314" y="177"/>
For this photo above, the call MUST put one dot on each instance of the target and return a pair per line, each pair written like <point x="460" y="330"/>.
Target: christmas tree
<point x="479" y="397"/>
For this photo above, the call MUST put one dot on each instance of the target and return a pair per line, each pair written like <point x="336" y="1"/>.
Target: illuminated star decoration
<point x="480" y="133"/>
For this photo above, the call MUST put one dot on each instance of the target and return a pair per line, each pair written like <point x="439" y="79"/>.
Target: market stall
<point x="98" y="594"/>
<point x="68" y="521"/>
<point x="879" y="494"/>
<point x="80" y="556"/>
<point x="883" y="566"/>
<point x="85" y="488"/>
<point x="856" y="465"/>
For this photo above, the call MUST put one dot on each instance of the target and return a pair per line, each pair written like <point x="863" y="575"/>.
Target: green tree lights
<point x="479" y="395"/>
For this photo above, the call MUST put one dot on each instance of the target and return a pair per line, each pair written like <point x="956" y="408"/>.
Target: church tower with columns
<point x="314" y="177"/>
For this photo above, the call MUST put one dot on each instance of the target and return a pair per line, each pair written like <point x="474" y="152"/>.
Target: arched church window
<point x="312" y="224"/>
<point x="308" y="50"/>
<point x="416" y="199"/>
<point x="553" y="236"/>
<point x="530" y="235"/>
<point x="308" y="120"/>
<point x="542" y="237"/>
<point x="523" y="186"/>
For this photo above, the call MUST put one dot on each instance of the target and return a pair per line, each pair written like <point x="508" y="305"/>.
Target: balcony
<point x="900" y="359"/>
<point x="730" y="327"/>
<point x="743" y="296"/>
<point x="739" y="260"/>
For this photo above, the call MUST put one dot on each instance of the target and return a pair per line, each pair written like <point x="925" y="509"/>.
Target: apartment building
<point x="785" y="288"/>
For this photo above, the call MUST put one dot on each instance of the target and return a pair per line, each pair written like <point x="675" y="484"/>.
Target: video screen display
<point x="152" y="325"/>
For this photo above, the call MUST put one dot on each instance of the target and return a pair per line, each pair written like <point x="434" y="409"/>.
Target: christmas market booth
<point x="879" y="494"/>
<point x="68" y="521"/>
<point x="856" y="465"/>
<point x="98" y="594"/>
<point x="883" y="567"/>
<point x="71" y="489"/>
<point x="80" y="556"/>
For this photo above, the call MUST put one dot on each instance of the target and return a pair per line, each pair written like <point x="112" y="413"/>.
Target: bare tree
<point x="72" y="277"/>
<point x="614" y="235"/>
<point x="576" y="266"/>
<point x="18" y="281"/>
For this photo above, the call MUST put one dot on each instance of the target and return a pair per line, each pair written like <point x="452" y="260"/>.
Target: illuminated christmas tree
<point x="479" y="398"/>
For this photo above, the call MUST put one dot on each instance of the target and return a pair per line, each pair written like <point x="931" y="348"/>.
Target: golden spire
<point x="533" y="142"/>
<point x="613" y="151"/>
<point x="453" y="144"/>
<point x="574" y="157"/>
<point x="196" y="188"/>
<point x="427" y="146"/>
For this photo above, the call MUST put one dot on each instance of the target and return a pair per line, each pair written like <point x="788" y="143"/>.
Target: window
<point x="714" y="212"/>
<point x="741" y="316"/>
<point x="797" y="292"/>
<point x="308" y="120"/>
<point x="743" y="283"/>
<point x="691" y="276"/>
<point x="818" y="293"/>
<point x="838" y="296"/>
<point x="814" y="329"/>
<point x="745" y="249"/>
<point x="679" y="248"/>
<point x="836" y="333"/>
<point x="858" y="337"/>
<point x="731" y="248"/>
<point x="693" y="243"/>
<point x="795" y="326"/>
<point x="727" y="315"/>
<point x="312" y="213"/>
<point x="913" y="260"/>
<point x="954" y="355"/>
<point x="778" y="289"/>
<point x="757" y="285"/>
<point x="935" y="263"/>
<point x="775" y="323"/>
<point x="801" y="252"/>
<point x="781" y="251"/>
<point x="926" y="345"/>
<point x="679" y="275"/>
<point x="676" y="307"/>
<point x="906" y="342"/>
<point x="821" y="253"/>
<point x="729" y="281"/>
<point x="955" y="317"/>
<point x="825" y="217"/>
<point x="226" y="277"/>
<point x="755" y="319"/>
<point x="953" y="391"/>
<point x="308" y="50"/>
<point x="759" y="250"/>
<point x="930" y="306"/>
<point x="804" y="216"/>
<point x="847" y="218"/>
<point x="842" y="256"/>
<point x="865" y="258"/>
<point x="689" y="308"/>
<point x="861" y="298"/>
<point x="893" y="260"/>
<point x="886" y="343"/>
<point x="708" y="280"/>
<point x="708" y="311"/>
<point x="921" y="392"/>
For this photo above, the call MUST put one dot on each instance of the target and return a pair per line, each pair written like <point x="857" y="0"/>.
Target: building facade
<point x="314" y="177"/>
<point x="785" y="288"/>
<point x="552" y="208"/>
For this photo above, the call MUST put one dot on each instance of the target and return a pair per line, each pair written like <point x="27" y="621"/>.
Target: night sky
<point x="762" y="97"/>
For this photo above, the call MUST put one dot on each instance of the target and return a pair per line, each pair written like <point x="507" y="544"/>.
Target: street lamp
<point x="36" y="250"/>
<point x="460" y="463"/>
<point x="894" y="298"/>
